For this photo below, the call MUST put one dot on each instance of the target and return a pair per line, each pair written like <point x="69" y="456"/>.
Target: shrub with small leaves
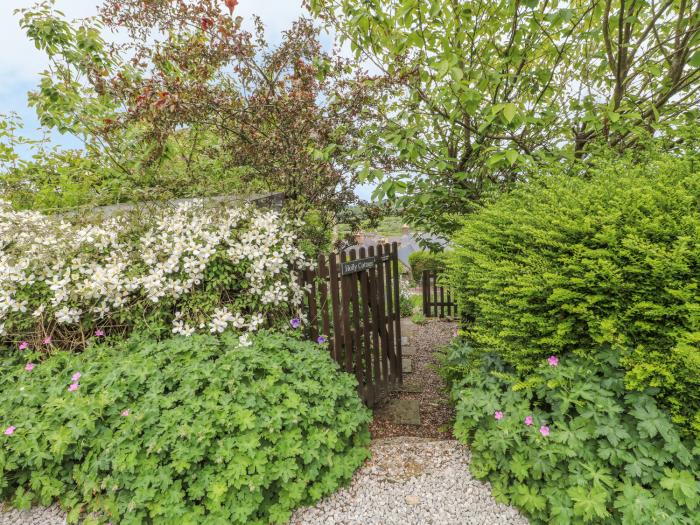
<point x="570" y="444"/>
<point x="188" y="430"/>
<point x="572" y="265"/>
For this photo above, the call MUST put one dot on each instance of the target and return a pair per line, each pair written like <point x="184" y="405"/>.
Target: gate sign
<point x="357" y="266"/>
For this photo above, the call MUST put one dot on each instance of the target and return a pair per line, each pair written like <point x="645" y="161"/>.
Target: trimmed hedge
<point x="425" y="260"/>
<point x="188" y="430"/>
<point x="567" y="265"/>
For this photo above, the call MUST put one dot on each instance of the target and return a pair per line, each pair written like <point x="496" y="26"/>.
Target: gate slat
<point x="397" y="310"/>
<point x="366" y="331"/>
<point x="335" y="305"/>
<point x="353" y="279"/>
<point x="389" y="298"/>
<point x="435" y="293"/>
<point x="345" y="291"/>
<point x="383" y="332"/>
<point x="374" y="308"/>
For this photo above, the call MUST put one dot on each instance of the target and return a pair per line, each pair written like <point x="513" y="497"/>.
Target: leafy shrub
<point x="188" y="431"/>
<point x="577" y="447"/>
<point x="572" y="265"/>
<point x="183" y="269"/>
<point x="424" y="260"/>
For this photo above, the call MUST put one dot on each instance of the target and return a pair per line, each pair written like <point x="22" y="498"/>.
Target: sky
<point x="21" y="63"/>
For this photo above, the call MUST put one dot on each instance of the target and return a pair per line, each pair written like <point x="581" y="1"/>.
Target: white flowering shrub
<point x="181" y="269"/>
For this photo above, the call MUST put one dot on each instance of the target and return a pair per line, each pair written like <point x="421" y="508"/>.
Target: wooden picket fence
<point x="353" y="301"/>
<point x="437" y="299"/>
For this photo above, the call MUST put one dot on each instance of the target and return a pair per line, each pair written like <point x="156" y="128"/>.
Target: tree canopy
<point x="478" y="93"/>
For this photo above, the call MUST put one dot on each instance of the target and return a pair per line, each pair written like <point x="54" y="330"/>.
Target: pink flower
<point x="544" y="430"/>
<point x="125" y="413"/>
<point x="10" y="430"/>
<point x="528" y="421"/>
<point x="498" y="415"/>
<point x="99" y="332"/>
<point x="46" y="340"/>
<point x="76" y="376"/>
<point x="23" y="346"/>
<point x="29" y="367"/>
<point x="553" y="360"/>
<point x="73" y="387"/>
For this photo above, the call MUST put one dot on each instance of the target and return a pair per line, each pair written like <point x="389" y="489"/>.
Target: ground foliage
<point x="576" y="447"/>
<point x="570" y="265"/>
<point x="191" y="430"/>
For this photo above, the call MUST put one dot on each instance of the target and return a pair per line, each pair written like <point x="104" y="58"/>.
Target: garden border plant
<point x="576" y="447"/>
<point x="179" y="269"/>
<point x="187" y="430"/>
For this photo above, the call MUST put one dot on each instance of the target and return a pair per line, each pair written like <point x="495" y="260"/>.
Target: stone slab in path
<point x="407" y="388"/>
<point x="407" y="365"/>
<point x="408" y="350"/>
<point x="402" y="411"/>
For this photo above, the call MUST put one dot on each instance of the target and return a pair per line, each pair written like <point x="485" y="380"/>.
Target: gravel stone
<point x="36" y="516"/>
<point x="412" y="481"/>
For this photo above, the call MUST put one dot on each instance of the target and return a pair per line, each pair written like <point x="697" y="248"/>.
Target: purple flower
<point x="498" y="415"/>
<point x="528" y="421"/>
<point x="544" y="430"/>
<point x="321" y="339"/>
<point x="553" y="360"/>
<point x="23" y="346"/>
<point x="99" y="332"/>
<point x="10" y="430"/>
<point x="29" y="367"/>
<point x="73" y="387"/>
<point x="296" y="323"/>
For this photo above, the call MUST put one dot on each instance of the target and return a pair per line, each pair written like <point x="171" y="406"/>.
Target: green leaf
<point x="511" y="156"/>
<point x="509" y="111"/>
<point x="683" y="485"/>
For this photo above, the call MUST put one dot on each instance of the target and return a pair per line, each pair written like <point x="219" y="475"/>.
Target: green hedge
<point x="571" y="265"/>
<point x="577" y="447"/>
<point x="425" y="260"/>
<point x="188" y="431"/>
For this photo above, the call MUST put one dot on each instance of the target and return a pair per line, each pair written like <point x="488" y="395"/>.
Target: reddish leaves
<point x="231" y="4"/>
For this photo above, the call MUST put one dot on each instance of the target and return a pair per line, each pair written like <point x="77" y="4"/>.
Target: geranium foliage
<point x="576" y="447"/>
<point x="189" y="431"/>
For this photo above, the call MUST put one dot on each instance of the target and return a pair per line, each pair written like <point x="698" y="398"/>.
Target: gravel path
<point x="436" y="413"/>
<point x="35" y="516"/>
<point x="412" y="481"/>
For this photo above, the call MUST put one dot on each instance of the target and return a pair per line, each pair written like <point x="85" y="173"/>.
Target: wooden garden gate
<point x="437" y="299"/>
<point x="353" y="301"/>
